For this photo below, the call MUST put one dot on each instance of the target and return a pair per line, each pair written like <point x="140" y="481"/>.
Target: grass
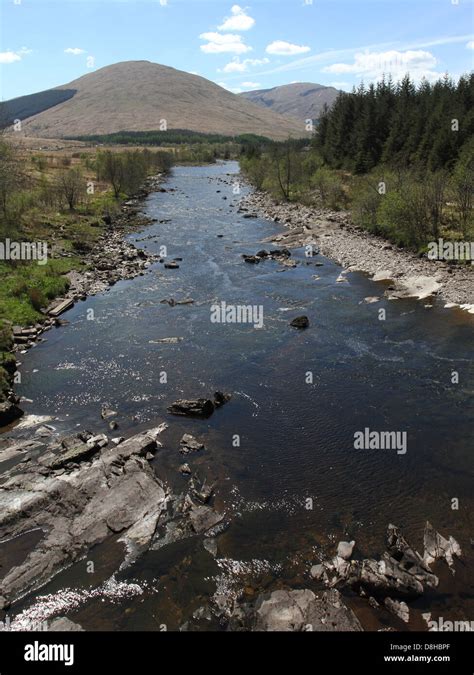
<point x="28" y="287"/>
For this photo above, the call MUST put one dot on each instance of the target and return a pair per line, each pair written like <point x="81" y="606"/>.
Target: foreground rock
<point x="77" y="507"/>
<point x="401" y="572"/>
<point x="437" y="547"/>
<point x="296" y="611"/>
<point x="62" y="625"/>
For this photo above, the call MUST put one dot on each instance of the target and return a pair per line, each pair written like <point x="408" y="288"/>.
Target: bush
<point x="330" y="188"/>
<point x="365" y="204"/>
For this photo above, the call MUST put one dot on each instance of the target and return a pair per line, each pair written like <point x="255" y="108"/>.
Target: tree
<point x="71" y="187"/>
<point x="110" y="167"/>
<point x="11" y="175"/>
<point x="463" y="189"/>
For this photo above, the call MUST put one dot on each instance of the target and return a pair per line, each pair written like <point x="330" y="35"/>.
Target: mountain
<point x="302" y="99"/>
<point x="136" y="96"/>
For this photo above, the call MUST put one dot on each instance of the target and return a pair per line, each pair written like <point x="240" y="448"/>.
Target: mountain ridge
<point x="303" y="100"/>
<point x="138" y="96"/>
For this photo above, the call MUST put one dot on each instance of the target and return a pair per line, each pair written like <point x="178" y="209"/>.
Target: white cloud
<point x="220" y="44"/>
<point x="10" y="56"/>
<point x="163" y="3"/>
<point x="470" y="45"/>
<point x="373" y="65"/>
<point x="239" y="20"/>
<point x="282" y="48"/>
<point x="75" y="51"/>
<point x="308" y="63"/>
<point x="251" y="85"/>
<point x="238" y="66"/>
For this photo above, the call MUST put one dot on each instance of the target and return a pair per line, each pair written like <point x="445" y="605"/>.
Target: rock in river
<point x="77" y="508"/>
<point x="200" y="407"/>
<point x="296" y="611"/>
<point x="190" y="444"/>
<point x="300" y="322"/>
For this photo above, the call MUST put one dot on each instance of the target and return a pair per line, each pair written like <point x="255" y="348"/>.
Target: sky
<point x="255" y="45"/>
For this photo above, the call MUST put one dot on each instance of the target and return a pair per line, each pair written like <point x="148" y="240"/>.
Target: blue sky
<point x="259" y="44"/>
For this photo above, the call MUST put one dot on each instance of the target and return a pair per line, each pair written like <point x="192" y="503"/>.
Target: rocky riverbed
<point x="335" y="236"/>
<point x="78" y="491"/>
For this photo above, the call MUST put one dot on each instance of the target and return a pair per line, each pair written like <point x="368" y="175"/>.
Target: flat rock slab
<point x="303" y="610"/>
<point x="200" y="407"/>
<point x="62" y="307"/>
<point x="76" y="510"/>
<point x="415" y="287"/>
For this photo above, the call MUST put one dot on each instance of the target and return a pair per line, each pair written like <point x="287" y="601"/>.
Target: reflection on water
<point x="296" y="435"/>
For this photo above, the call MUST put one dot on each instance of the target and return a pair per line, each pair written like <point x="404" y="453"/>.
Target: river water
<point x="295" y="486"/>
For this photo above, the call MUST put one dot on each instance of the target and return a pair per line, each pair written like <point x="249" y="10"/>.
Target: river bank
<point x="110" y="260"/>
<point x="335" y="236"/>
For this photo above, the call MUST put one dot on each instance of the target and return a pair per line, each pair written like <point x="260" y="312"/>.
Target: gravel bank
<point x="357" y="250"/>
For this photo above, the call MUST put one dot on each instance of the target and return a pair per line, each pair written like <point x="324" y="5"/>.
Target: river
<point x="294" y="485"/>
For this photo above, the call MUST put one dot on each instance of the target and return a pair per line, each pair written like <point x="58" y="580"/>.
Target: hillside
<point x="302" y="100"/>
<point x="136" y="96"/>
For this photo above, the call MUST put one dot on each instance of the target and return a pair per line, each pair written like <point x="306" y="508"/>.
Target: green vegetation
<point x="399" y="125"/>
<point x="58" y="199"/>
<point x="26" y="288"/>
<point x="126" y="171"/>
<point x="168" y="138"/>
<point x="400" y="157"/>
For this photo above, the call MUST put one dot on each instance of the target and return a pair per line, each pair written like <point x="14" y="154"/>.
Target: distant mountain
<point x="137" y="96"/>
<point x="302" y="99"/>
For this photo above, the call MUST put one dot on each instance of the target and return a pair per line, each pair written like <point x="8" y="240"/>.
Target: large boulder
<point x="296" y="611"/>
<point x="115" y="493"/>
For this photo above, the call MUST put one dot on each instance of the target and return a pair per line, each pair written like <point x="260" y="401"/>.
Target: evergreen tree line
<point x="399" y="125"/>
<point x="167" y="138"/>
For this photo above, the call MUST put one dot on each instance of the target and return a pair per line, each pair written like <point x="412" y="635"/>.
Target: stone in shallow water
<point x="190" y="444"/>
<point x="200" y="407"/>
<point x="300" y="322"/>
<point x="63" y="624"/>
<point x="344" y="549"/>
<point x="400" y="609"/>
<point x="303" y="610"/>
